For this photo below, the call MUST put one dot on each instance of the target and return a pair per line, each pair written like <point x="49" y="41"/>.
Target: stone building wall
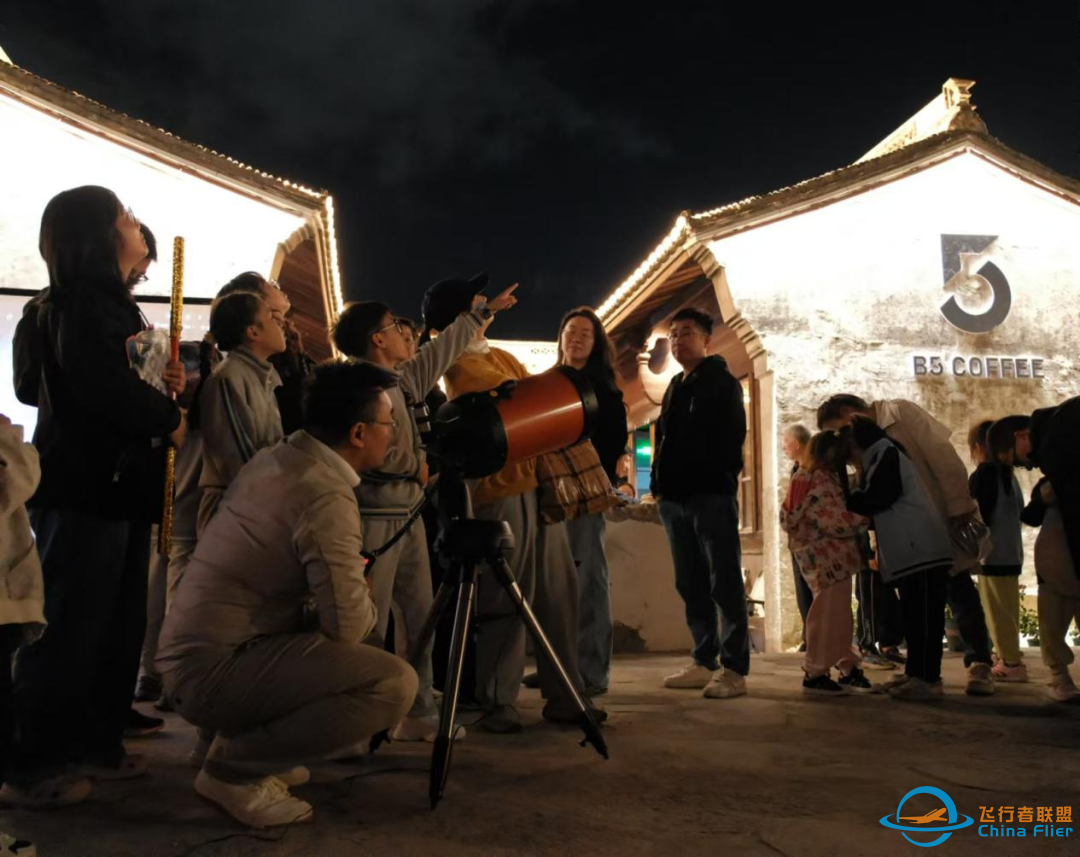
<point x="846" y="297"/>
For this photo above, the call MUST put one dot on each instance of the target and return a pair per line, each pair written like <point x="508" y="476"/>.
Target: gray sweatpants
<point x="544" y="568"/>
<point x="161" y="585"/>
<point x="401" y="581"/>
<point x="289" y="700"/>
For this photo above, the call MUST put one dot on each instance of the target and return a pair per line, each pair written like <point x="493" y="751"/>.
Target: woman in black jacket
<point x="584" y="345"/>
<point x="101" y="434"/>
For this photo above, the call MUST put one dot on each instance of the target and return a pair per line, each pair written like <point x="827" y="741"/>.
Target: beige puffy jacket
<point x="22" y="593"/>
<point x="287" y="531"/>
<point x="927" y="444"/>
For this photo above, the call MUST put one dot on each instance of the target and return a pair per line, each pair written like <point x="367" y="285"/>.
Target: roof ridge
<point x="10" y="73"/>
<point x="693" y="224"/>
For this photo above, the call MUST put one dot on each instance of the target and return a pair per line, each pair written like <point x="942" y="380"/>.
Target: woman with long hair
<point x="584" y="345"/>
<point x="99" y="435"/>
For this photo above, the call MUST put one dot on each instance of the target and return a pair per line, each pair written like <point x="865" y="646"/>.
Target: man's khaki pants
<point x="289" y="700"/>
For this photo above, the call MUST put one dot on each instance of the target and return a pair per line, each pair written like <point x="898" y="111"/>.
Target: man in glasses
<point x="238" y="658"/>
<point x="389" y="496"/>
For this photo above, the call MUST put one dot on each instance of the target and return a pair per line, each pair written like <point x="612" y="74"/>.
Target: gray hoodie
<point x="394" y="490"/>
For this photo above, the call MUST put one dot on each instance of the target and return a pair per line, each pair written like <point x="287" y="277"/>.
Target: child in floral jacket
<point x="823" y="536"/>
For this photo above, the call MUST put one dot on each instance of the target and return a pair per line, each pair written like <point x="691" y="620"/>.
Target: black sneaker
<point x="822" y="685"/>
<point x="531" y="681"/>
<point x="138" y="725"/>
<point x="857" y="681"/>
<point x="893" y="654"/>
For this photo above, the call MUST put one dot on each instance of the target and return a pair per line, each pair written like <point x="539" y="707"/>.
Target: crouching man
<point x="235" y="656"/>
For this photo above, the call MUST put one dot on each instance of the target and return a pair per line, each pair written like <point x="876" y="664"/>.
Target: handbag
<point x="573" y="482"/>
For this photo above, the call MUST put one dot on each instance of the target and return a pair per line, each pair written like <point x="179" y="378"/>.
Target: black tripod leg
<point x="440" y="756"/>
<point x="588" y="725"/>
<point x="427" y="633"/>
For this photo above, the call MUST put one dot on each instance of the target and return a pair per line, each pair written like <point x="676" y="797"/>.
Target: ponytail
<point x="209" y="357"/>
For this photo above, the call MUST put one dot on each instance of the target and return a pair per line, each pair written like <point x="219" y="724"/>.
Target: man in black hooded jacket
<point x="699" y="455"/>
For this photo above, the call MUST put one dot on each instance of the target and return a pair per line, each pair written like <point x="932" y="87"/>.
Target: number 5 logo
<point x="956" y="253"/>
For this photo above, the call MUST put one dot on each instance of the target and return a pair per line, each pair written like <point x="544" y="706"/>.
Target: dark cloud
<point x="408" y="86"/>
<point x="547" y="141"/>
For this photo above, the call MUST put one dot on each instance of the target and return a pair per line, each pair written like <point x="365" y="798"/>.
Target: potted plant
<point x="1029" y="626"/>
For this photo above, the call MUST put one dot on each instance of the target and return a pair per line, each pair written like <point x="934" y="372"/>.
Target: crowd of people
<point x="267" y="628"/>
<point x="266" y="625"/>
<point x="881" y="495"/>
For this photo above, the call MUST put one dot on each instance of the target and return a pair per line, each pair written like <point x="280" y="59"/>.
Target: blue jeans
<point x="704" y="535"/>
<point x="586" y="535"/>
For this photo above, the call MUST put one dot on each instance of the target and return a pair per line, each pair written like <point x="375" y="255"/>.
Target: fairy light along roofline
<point x="658" y="256"/>
<point x="43" y="94"/>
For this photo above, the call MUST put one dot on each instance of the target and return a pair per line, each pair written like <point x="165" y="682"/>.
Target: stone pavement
<point x="771" y="773"/>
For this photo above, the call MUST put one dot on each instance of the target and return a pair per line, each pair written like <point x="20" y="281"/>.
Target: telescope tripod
<point x="467" y="544"/>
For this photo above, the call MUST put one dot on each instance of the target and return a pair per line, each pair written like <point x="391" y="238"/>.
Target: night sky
<point x="551" y="143"/>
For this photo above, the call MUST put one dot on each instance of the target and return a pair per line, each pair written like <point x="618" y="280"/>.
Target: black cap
<point x="448" y="299"/>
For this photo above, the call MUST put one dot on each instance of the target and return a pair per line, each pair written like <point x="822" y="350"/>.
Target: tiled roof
<point x="690" y="225"/>
<point x="24" y="82"/>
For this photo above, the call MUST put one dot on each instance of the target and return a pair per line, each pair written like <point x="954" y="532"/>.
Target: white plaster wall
<point x="225" y="232"/>
<point x="643" y="596"/>
<point x="844" y="296"/>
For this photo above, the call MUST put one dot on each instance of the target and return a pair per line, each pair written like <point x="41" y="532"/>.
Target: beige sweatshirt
<point x="22" y="593"/>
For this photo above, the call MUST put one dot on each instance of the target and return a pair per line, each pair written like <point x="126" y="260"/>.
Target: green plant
<point x="1029" y="623"/>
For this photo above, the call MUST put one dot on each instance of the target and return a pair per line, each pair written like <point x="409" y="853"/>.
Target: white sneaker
<point x="726" y="684"/>
<point x="265" y="803"/>
<point x="1062" y="689"/>
<point x="297" y="776"/>
<point x="422" y="729"/>
<point x="51" y="793"/>
<point x="691" y="676"/>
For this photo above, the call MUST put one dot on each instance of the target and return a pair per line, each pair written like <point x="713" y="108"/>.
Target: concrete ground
<point x="770" y="773"/>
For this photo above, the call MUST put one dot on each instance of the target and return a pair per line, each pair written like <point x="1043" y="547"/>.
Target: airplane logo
<point x="942" y="821"/>
<point x="936" y="815"/>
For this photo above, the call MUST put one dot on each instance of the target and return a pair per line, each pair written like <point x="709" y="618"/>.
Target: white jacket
<point x="286" y="531"/>
<point x="22" y="593"/>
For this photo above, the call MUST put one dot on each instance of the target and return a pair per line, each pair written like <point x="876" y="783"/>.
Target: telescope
<point x="476" y="435"/>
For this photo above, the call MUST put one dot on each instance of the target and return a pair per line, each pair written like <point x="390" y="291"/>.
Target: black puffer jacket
<point x="609" y="432"/>
<point x="97" y="419"/>
<point x="700" y="434"/>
